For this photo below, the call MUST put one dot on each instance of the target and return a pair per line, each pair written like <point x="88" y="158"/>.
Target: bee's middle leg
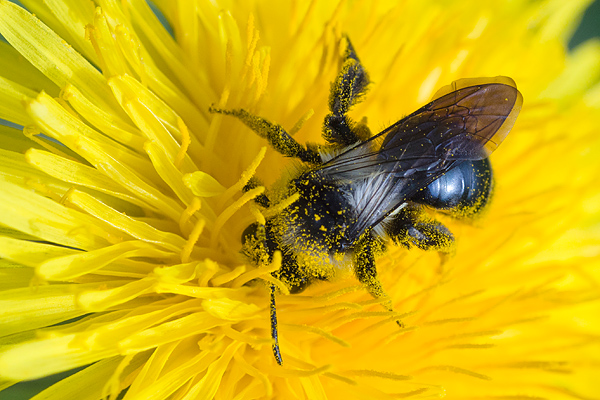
<point x="366" y="272"/>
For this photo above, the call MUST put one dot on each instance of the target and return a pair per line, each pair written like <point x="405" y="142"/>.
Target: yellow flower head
<point x="123" y="201"/>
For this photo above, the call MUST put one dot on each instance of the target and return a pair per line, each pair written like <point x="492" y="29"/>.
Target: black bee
<point x="358" y="191"/>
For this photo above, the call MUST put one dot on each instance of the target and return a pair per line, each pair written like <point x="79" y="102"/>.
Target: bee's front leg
<point x="275" y="135"/>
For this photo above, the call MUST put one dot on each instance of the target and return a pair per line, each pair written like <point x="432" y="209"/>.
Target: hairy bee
<point x="359" y="191"/>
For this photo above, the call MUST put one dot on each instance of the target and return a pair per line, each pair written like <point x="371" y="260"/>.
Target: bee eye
<point x="462" y="192"/>
<point x="249" y="233"/>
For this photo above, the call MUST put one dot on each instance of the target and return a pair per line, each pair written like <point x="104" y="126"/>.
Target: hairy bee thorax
<point x="320" y="218"/>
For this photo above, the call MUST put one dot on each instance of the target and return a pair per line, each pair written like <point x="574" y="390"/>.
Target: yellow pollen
<point x="279" y="207"/>
<point x="301" y="122"/>
<point x="245" y="177"/>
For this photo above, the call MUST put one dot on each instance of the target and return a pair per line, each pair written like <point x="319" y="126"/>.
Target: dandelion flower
<point x="121" y="203"/>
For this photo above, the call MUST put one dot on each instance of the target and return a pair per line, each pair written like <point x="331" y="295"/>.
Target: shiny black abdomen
<point x="462" y="191"/>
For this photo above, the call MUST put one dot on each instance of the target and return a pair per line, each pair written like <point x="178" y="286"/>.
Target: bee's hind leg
<point x="366" y="272"/>
<point x="411" y="227"/>
<point x="346" y="91"/>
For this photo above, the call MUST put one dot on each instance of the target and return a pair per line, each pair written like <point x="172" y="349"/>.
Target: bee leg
<point x="262" y="199"/>
<point x="411" y="227"/>
<point x="347" y="90"/>
<point x="366" y="272"/>
<point x="275" y="135"/>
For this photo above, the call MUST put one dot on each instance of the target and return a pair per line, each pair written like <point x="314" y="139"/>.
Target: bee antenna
<point x="274" y="333"/>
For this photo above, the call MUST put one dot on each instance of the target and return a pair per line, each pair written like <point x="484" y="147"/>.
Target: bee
<point x="359" y="191"/>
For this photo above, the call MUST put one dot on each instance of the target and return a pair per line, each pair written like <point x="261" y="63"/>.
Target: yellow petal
<point x="11" y="96"/>
<point x="40" y="217"/>
<point x="52" y="55"/>
<point x="110" y="124"/>
<point x="13" y="139"/>
<point x="36" y="307"/>
<point x="30" y="253"/>
<point x="131" y="226"/>
<point x="14" y="275"/>
<point x="73" y="17"/>
<point x="203" y="185"/>
<point x="74" y="265"/>
<point x="85" y="384"/>
<point x="66" y="170"/>
<point x="16" y="69"/>
<point x="51" y="355"/>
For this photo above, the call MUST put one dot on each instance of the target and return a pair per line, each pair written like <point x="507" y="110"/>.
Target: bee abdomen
<point x="463" y="191"/>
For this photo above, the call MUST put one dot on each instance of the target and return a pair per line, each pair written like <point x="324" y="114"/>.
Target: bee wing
<point x="467" y="121"/>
